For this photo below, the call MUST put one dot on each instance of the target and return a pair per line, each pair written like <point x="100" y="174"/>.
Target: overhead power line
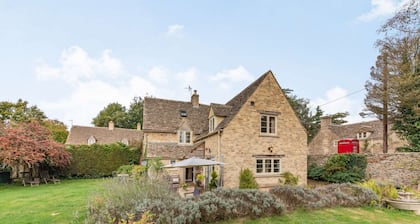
<point x="337" y="99"/>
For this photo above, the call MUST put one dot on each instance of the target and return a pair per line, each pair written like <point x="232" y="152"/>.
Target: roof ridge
<point x="171" y="100"/>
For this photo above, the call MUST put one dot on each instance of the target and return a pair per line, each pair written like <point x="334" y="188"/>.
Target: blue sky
<point x="73" y="58"/>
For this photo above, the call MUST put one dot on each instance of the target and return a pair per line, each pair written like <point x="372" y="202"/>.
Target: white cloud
<point x="174" y="29"/>
<point x="337" y="100"/>
<point x="233" y="75"/>
<point x="381" y="8"/>
<point x="158" y="74"/>
<point x="92" y="85"/>
<point x="75" y="64"/>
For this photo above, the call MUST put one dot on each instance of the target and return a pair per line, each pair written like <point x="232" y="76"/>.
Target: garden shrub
<point x="340" y="168"/>
<point x="130" y="200"/>
<point x="100" y="160"/>
<point x="346" y="195"/>
<point x="247" y="180"/>
<point x="289" y="178"/>
<point x="213" y="180"/>
<point x="223" y="204"/>
<point x="382" y="190"/>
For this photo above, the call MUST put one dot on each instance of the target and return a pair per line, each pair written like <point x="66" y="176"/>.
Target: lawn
<point x="363" y="215"/>
<point x="66" y="203"/>
<point x="48" y="203"/>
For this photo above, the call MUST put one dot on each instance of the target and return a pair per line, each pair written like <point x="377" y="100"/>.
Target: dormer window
<point x="362" y="135"/>
<point x="91" y="140"/>
<point x="184" y="137"/>
<point x="183" y="113"/>
<point x="124" y="141"/>
<point x="212" y="124"/>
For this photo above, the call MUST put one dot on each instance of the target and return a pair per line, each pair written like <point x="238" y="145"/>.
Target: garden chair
<point x="35" y="182"/>
<point x="46" y="177"/>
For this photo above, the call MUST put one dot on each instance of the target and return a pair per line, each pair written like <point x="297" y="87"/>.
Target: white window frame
<point x="270" y="126"/>
<point x="184" y="137"/>
<point x="212" y="124"/>
<point x="268" y="166"/>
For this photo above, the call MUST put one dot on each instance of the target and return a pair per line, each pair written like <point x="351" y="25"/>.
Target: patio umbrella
<point x="192" y="162"/>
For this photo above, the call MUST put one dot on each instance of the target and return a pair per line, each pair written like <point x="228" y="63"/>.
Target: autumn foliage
<point x="31" y="144"/>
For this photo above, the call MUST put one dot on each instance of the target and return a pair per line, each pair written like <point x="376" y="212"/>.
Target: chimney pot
<point x="195" y="99"/>
<point x="111" y="125"/>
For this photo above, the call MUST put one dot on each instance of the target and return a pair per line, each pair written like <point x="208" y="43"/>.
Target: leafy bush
<point x="346" y="195"/>
<point x="382" y="190"/>
<point x="125" y="169"/>
<point x="100" y="160"/>
<point x="130" y="200"/>
<point x="222" y="204"/>
<point x="247" y="180"/>
<point x="315" y="172"/>
<point x="213" y="180"/>
<point x="289" y="178"/>
<point x="340" y="168"/>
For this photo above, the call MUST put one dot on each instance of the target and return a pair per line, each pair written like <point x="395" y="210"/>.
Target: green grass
<point x="365" y="215"/>
<point x="48" y="203"/>
<point x="67" y="202"/>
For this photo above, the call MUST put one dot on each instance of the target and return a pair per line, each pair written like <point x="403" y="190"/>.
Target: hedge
<point x="100" y="160"/>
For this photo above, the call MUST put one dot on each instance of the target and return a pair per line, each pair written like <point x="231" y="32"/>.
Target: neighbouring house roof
<point x="79" y="135"/>
<point x="239" y="100"/>
<point x="221" y="110"/>
<point x="161" y="115"/>
<point x="169" y="150"/>
<point x="350" y="130"/>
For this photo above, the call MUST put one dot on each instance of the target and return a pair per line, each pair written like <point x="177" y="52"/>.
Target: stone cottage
<point x="257" y="129"/>
<point x="83" y="135"/>
<point x="368" y="133"/>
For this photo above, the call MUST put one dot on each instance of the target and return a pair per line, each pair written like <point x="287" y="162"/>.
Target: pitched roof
<point x="79" y="135"/>
<point x="239" y="100"/>
<point x="220" y="110"/>
<point x="168" y="150"/>
<point x="160" y="115"/>
<point x="350" y="130"/>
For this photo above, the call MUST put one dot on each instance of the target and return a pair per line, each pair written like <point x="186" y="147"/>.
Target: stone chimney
<point x="326" y="121"/>
<point x="111" y="125"/>
<point x="194" y="99"/>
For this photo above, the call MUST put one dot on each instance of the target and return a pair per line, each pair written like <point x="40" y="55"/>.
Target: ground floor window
<point x="268" y="165"/>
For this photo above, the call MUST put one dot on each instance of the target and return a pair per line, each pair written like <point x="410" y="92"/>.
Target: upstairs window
<point x="268" y="125"/>
<point x="184" y="137"/>
<point x="211" y="124"/>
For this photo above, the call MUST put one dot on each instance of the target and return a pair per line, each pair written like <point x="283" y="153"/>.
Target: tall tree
<point x="30" y="144"/>
<point x="379" y="94"/>
<point x="19" y="112"/>
<point x="57" y="129"/>
<point x="309" y="120"/>
<point x="135" y="113"/>
<point x="339" y="118"/>
<point x="113" y="112"/>
<point x="400" y="47"/>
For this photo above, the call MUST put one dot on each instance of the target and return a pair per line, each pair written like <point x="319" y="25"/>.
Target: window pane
<point x="187" y="137"/>
<point x="276" y="165"/>
<point x="259" y="165"/>
<point x="272" y="125"/>
<point x="181" y="137"/>
<point x="263" y="124"/>
<point x="268" y="165"/>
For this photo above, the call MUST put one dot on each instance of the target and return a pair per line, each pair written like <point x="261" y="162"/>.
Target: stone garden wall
<point x="396" y="168"/>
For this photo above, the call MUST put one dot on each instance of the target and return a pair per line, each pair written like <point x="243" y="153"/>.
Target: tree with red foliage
<point x="31" y="144"/>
